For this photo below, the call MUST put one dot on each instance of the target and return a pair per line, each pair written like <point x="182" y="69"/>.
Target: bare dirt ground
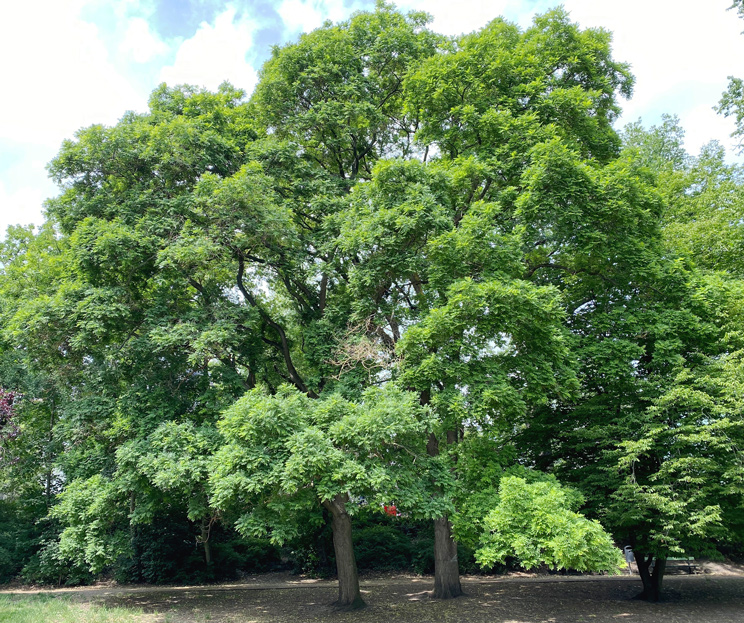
<point x="714" y="596"/>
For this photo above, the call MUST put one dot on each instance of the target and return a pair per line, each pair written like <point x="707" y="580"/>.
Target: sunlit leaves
<point x="537" y="523"/>
<point x="287" y="452"/>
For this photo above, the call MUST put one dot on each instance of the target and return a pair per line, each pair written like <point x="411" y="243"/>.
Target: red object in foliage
<point x="391" y="510"/>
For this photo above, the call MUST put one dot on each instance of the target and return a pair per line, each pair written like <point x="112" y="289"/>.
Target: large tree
<point x="513" y="125"/>
<point x="197" y="264"/>
<point x="652" y="438"/>
<point x="391" y="206"/>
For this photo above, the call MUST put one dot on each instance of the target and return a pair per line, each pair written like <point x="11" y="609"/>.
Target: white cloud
<point x="301" y="16"/>
<point x="702" y="125"/>
<point x="21" y="207"/>
<point x="139" y="42"/>
<point x="680" y="54"/>
<point x="307" y="15"/>
<point x="56" y="74"/>
<point x="449" y="18"/>
<point x="217" y="52"/>
<point x="668" y="42"/>
<point x="456" y="18"/>
<point x="56" y="77"/>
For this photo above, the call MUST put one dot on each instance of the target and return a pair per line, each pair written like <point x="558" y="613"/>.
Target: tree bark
<point x="446" y="567"/>
<point x="651" y="578"/>
<point x="349" y="595"/>
<point x="205" y="530"/>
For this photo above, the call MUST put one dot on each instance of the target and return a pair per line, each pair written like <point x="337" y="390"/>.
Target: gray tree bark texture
<point x="349" y="595"/>
<point x="446" y="568"/>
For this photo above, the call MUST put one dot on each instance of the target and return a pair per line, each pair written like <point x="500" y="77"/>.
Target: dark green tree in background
<point x="654" y="440"/>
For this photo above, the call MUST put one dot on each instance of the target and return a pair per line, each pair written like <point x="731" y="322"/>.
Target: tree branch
<point x="284" y="346"/>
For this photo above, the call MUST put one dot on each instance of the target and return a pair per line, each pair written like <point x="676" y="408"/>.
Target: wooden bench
<point x="681" y="563"/>
<point x="672" y="564"/>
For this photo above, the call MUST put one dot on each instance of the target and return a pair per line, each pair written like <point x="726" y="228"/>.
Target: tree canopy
<point x="408" y="268"/>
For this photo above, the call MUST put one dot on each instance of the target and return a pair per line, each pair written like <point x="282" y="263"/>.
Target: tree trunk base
<point x="357" y="604"/>
<point x="447" y="594"/>
<point x="650" y="596"/>
<point x="652" y="577"/>
<point x="446" y="567"/>
<point x="349" y="595"/>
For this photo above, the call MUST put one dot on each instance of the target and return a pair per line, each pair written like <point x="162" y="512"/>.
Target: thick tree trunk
<point x="349" y="595"/>
<point x="652" y="578"/>
<point x="446" y="568"/>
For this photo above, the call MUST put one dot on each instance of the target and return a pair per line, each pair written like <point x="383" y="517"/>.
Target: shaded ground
<point x="698" y="598"/>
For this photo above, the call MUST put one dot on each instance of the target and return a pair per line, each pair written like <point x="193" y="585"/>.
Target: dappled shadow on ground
<point x="702" y="599"/>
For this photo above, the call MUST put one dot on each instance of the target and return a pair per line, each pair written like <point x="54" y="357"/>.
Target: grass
<point x="61" y="609"/>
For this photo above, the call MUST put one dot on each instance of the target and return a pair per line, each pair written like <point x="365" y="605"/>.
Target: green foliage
<point x="18" y="538"/>
<point x="732" y="105"/>
<point x="165" y="551"/>
<point x="338" y="91"/>
<point x="381" y="548"/>
<point x="653" y="433"/>
<point x="286" y="453"/>
<point x="94" y="514"/>
<point x="660" y="148"/>
<point x="682" y="467"/>
<point x="705" y="204"/>
<point x="490" y="332"/>
<point x="170" y="464"/>
<point x="537" y="523"/>
<point x="48" y="566"/>
<point x="732" y="100"/>
<point x="552" y="78"/>
<point x="691" y="500"/>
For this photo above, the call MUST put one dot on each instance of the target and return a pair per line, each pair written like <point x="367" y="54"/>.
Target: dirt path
<point x="542" y="599"/>
<point x="283" y="581"/>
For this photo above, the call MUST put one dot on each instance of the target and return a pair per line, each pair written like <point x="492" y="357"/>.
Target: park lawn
<point x="62" y="609"/>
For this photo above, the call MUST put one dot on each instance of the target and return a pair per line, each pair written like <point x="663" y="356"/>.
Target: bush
<point x="381" y="543"/>
<point x="47" y="566"/>
<point x="422" y="557"/>
<point x="382" y="547"/>
<point x="247" y="555"/>
<point x="29" y="546"/>
<point x="312" y="553"/>
<point x="166" y="552"/>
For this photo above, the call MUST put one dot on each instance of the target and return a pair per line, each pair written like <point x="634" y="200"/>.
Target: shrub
<point x="382" y="547"/>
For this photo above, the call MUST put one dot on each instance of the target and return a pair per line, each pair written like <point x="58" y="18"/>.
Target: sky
<point x="68" y="64"/>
